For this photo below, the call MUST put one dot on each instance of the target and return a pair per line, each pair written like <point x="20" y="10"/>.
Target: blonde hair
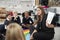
<point x="14" y="32"/>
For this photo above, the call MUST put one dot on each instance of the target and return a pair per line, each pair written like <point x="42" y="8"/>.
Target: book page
<point x="50" y="17"/>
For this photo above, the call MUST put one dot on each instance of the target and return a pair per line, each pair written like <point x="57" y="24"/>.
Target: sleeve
<point x="38" y="28"/>
<point x="23" y="20"/>
<point x="31" y="20"/>
<point x="6" y="22"/>
<point x="18" y="20"/>
<point x="55" y="19"/>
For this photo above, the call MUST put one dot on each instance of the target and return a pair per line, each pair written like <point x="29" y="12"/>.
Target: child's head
<point x="15" y="13"/>
<point x="9" y="17"/>
<point x="14" y="32"/>
<point x="10" y="13"/>
<point x="26" y="14"/>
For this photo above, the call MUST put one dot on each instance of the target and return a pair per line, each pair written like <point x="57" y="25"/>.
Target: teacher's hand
<point x="49" y="25"/>
<point x="31" y="37"/>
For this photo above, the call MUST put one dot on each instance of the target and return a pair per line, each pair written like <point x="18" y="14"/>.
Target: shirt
<point x="41" y="26"/>
<point x="27" y="20"/>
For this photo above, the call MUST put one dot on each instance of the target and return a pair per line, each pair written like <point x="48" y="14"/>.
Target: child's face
<point x="9" y="17"/>
<point x="14" y="14"/>
<point x="26" y="14"/>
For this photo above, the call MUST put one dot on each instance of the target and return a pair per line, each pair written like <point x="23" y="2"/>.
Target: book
<point x="50" y="17"/>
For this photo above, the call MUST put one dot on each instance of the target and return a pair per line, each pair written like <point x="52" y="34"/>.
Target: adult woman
<point x="43" y="31"/>
<point x="14" y="32"/>
<point x="27" y="20"/>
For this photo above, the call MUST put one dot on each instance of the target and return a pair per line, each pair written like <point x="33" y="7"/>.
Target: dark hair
<point x="23" y="14"/>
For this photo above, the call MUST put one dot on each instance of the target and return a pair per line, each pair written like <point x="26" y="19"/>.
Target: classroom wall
<point x="18" y="5"/>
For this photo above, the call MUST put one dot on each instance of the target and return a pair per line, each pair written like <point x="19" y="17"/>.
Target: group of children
<point x="42" y="30"/>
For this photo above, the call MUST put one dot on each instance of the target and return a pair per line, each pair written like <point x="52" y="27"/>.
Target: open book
<point x="50" y="17"/>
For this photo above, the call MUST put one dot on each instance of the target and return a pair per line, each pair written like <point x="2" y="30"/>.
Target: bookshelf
<point x="3" y="13"/>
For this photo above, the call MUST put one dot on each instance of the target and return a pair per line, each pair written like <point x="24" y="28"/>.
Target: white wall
<point x="19" y="5"/>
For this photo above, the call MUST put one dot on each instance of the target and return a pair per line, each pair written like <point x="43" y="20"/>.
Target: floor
<point x="56" y="37"/>
<point x="57" y="33"/>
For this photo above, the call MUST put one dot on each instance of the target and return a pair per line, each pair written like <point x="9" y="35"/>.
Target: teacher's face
<point x="39" y="12"/>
